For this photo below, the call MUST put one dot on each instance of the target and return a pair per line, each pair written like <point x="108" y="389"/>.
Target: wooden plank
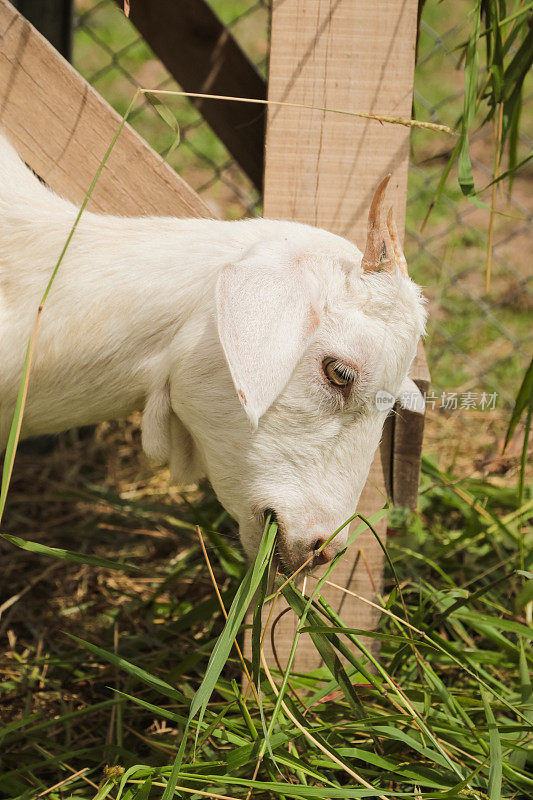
<point x="385" y="452"/>
<point x="201" y="54"/>
<point x="407" y="436"/>
<point x="62" y="127"/>
<point x="322" y="168"/>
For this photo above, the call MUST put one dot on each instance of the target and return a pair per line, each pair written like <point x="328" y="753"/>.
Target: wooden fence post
<point x="52" y="18"/>
<point x="321" y="168"/>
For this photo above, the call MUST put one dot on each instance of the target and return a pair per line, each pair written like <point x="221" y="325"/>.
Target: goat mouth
<point x="270" y="516"/>
<point x="289" y="568"/>
<point x="279" y="561"/>
<point x="283" y="561"/>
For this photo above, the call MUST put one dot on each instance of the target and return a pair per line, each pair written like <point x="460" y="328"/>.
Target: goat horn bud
<point x="401" y="263"/>
<point x="383" y="251"/>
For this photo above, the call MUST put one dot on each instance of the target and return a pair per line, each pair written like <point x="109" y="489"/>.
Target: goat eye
<point x="337" y="373"/>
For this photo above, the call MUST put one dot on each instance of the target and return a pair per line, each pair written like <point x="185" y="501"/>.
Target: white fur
<point x="217" y="331"/>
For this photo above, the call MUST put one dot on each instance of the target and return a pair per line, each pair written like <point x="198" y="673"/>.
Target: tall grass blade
<point x="69" y="555"/>
<point x="495" y="746"/>
<point x="132" y="669"/>
<point x="466" y="178"/>
<point x="524" y="398"/>
<point x="239" y="607"/>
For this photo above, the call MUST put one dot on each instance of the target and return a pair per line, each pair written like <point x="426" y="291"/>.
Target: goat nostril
<point x="324" y="555"/>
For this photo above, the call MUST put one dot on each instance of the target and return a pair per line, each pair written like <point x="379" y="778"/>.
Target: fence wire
<point x="111" y="54"/>
<point x="478" y="342"/>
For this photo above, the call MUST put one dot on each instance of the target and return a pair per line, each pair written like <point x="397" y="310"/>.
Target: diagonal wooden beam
<point x="201" y="54"/>
<point x="62" y="127"/>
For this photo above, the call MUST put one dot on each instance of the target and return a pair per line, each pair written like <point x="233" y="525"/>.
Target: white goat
<point x="255" y="349"/>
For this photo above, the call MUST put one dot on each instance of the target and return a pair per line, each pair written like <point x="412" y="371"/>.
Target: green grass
<point x="446" y="713"/>
<point x="116" y="680"/>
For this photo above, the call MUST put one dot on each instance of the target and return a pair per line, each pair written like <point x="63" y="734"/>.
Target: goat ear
<point x="266" y="316"/>
<point x="411" y="398"/>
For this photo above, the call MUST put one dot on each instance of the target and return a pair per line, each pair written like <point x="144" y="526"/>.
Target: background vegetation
<point x="448" y="710"/>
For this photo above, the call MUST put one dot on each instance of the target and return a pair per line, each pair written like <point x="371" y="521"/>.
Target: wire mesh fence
<point x="478" y="341"/>
<point x="112" y="55"/>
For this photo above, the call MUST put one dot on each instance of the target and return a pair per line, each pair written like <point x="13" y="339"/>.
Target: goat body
<point x="218" y="332"/>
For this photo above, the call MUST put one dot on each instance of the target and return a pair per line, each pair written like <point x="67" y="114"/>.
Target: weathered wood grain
<point x="62" y="127"/>
<point x="322" y="168"/>
<point x="408" y="434"/>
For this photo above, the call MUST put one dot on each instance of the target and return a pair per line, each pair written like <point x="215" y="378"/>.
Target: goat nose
<point x="325" y="555"/>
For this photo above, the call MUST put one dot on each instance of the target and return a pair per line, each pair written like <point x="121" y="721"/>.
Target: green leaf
<point x="495" y="748"/>
<point x="513" y="133"/>
<point x="152" y="708"/>
<point x="519" y="757"/>
<point x="282" y="789"/>
<point x="143" y="792"/>
<point x="442" y="181"/>
<point x="168" y="793"/>
<point x="466" y="178"/>
<point x="384" y="637"/>
<point x="239" y="607"/>
<point x="495" y="50"/>
<point x="69" y="555"/>
<point x="132" y="669"/>
<point x="256" y="623"/>
<point x="138" y="770"/>
<point x="298" y="604"/>
<point x="509" y="173"/>
<point x="14" y="431"/>
<point x="513" y="80"/>
<point x="524" y="398"/>
<point x="167" y="116"/>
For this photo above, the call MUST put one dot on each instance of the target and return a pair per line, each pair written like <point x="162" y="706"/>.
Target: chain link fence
<point x="111" y="54"/>
<point x="478" y="341"/>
